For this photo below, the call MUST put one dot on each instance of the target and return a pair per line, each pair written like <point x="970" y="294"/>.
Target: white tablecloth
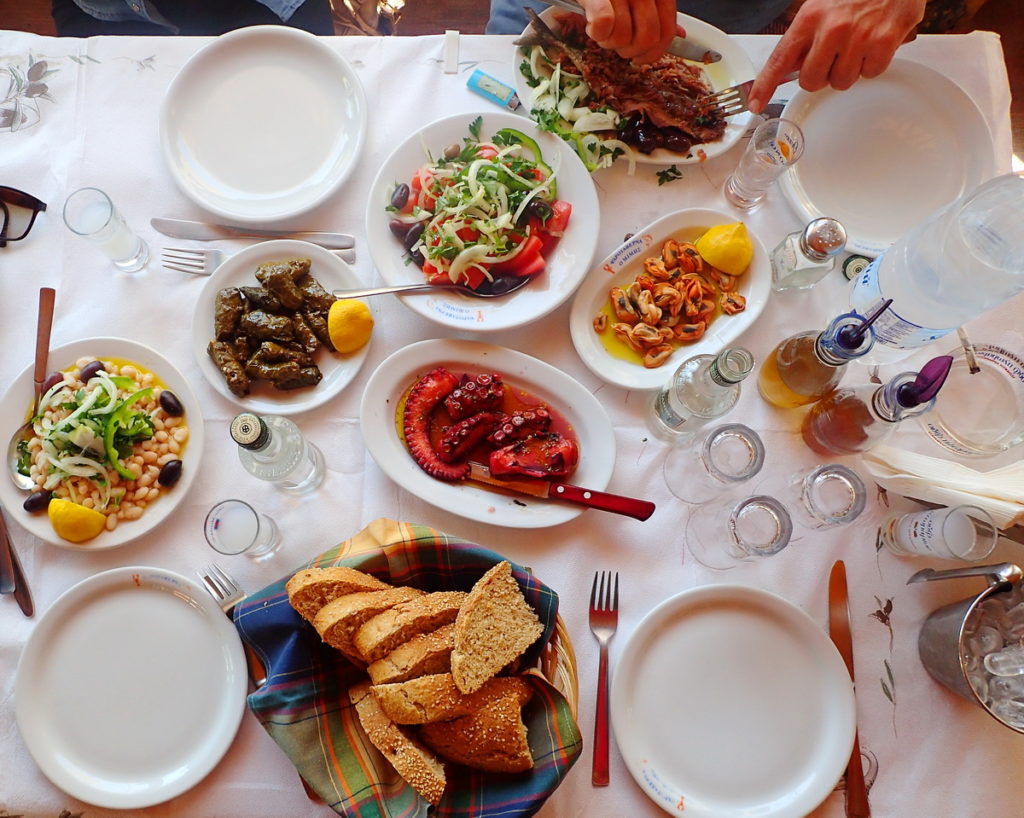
<point x="932" y="753"/>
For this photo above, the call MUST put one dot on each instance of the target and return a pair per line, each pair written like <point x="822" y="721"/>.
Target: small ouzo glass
<point x="737" y="529"/>
<point x="826" y="496"/>
<point x="966" y="533"/>
<point x="89" y="213"/>
<point x="235" y="527"/>
<point x="775" y="146"/>
<point x="727" y="456"/>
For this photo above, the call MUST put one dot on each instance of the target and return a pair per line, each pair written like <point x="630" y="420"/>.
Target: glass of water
<point x="725" y="457"/>
<point x="738" y="528"/>
<point x="234" y="527"/>
<point x="775" y="146"/>
<point x="89" y="213"/>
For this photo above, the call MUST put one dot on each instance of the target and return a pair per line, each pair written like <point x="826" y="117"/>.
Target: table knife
<point x="10" y="566"/>
<point x="548" y="489"/>
<point x="679" y="47"/>
<point x="201" y="231"/>
<point x="839" y="630"/>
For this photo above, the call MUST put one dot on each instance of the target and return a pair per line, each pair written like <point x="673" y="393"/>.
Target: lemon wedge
<point x="727" y="247"/>
<point x="73" y="522"/>
<point x="350" y="324"/>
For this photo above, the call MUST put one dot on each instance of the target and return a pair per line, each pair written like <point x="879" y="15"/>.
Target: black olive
<point x="37" y="501"/>
<point x="400" y="197"/>
<point x="398" y="228"/>
<point x="54" y="379"/>
<point x="170" y="473"/>
<point x="412" y="235"/>
<point x="88" y="372"/>
<point x="171" y="405"/>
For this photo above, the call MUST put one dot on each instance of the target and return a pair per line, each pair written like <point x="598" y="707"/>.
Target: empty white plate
<point x="730" y="702"/>
<point x="886" y="153"/>
<point x="262" y="124"/>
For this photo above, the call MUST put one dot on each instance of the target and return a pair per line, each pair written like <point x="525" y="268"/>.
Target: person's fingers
<point x="785" y="58"/>
<point x="600" y="18"/>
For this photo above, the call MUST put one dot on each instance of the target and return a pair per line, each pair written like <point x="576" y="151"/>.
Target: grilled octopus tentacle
<point x="425" y="394"/>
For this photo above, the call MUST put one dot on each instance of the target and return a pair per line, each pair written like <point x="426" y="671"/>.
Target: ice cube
<point x="1006" y="662"/>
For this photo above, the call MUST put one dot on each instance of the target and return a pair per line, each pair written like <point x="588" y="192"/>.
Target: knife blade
<point x="9" y="558"/>
<point x="679" y="46"/>
<point x="201" y="231"/>
<point x="549" y="489"/>
<point x="842" y="637"/>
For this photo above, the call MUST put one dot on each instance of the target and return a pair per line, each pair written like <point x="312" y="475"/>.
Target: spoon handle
<point x="47" y="296"/>
<point x="401" y="288"/>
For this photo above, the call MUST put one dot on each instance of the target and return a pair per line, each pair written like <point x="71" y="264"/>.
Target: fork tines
<point x="602" y="598"/>
<point x="185" y="261"/>
<point x="220" y="585"/>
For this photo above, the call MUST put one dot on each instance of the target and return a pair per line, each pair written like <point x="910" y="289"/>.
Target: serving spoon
<point x="25" y="432"/>
<point x="502" y="287"/>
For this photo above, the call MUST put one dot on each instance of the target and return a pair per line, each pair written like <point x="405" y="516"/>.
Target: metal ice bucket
<point x="940" y="642"/>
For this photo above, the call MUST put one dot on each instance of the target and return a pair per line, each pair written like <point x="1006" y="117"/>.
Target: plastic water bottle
<point x="962" y="261"/>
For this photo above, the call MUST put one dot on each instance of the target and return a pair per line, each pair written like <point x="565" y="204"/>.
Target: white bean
<point x="180" y="434"/>
<point x="173" y="445"/>
<point x="153" y="493"/>
<point x="111" y="522"/>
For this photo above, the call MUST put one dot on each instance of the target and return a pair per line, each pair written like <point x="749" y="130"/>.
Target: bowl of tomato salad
<point x="483" y="201"/>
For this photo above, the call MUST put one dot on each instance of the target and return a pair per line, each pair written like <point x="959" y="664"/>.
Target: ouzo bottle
<point x="273" y="449"/>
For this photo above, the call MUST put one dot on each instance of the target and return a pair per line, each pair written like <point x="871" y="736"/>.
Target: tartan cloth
<point x="305" y="706"/>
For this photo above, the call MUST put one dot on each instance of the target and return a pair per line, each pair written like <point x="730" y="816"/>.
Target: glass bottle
<point x="854" y="420"/>
<point x="807" y="366"/>
<point x="704" y="387"/>
<point x="273" y="449"/>
<point x="803" y="258"/>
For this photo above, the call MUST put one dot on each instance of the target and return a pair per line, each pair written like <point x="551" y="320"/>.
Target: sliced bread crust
<point x="377" y="637"/>
<point x="437" y="698"/>
<point x="423" y="771"/>
<point x="338" y="620"/>
<point x="492" y="738"/>
<point x="312" y="588"/>
<point x="423" y="655"/>
<point x="494" y="627"/>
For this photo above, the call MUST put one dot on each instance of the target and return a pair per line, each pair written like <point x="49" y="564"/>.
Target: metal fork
<point x="222" y="587"/>
<point x="733" y="100"/>
<point x="204" y="262"/>
<point x="604" y="619"/>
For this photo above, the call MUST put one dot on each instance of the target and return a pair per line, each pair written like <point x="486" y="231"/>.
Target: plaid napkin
<point x="305" y="706"/>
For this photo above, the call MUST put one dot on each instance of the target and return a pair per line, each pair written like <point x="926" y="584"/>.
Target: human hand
<point x="835" y="42"/>
<point x="637" y="30"/>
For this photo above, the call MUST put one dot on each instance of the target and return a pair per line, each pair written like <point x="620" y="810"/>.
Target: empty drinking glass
<point x="775" y="145"/>
<point x="826" y="496"/>
<point x="725" y="457"/>
<point x="737" y="529"/>
<point x="234" y="527"/>
<point x="965" y="533"/>
<point x="89" y="213"/>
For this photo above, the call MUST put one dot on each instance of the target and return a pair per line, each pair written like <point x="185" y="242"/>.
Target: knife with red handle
<point x="549" y="489"/>
<point x="839" y="629"/>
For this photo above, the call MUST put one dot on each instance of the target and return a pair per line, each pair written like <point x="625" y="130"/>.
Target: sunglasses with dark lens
<point x="18" y="211"/>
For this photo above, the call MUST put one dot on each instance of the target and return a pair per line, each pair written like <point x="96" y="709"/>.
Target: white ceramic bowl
<point x="566" y="266"/>
<point x="14" y="407"/>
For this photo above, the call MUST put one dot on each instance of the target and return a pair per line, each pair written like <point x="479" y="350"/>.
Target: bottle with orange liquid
<point x="807" y="366"/>
<point x="855" y="419"/>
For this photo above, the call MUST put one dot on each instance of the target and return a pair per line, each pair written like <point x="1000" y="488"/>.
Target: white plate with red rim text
<point x="131" y="688"/>
<point x="566" y="266"/>
<point x="240" y="271"/>
<point x="734" y="67"/>
<point x="263" y="124"/>
<point x="729" y="702"/>
<point x="623" y="265"/>
<point x="887" y="153"/>
<point x="14" y="408"/>
<point x="578" y="406"/>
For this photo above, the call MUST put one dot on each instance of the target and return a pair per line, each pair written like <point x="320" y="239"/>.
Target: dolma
<point x="315" y="297"/>
<point x="265" y="326"/>
<point x="271" y="352"/>
<point x="307" y="376"/>
<point x="267" y="371"/>
<point x="223" y="355"/>
<point x="260" y="298"/>
<point x="296" y="267"/>
<point x="318" y="324"/>
<point x="227" y="310"/>
<point x="304" y="335"/>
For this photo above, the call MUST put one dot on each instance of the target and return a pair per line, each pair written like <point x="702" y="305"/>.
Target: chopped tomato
<point x="486" y="152"/>
<point x="559" y="219"/>
<point x="528" y="261"/>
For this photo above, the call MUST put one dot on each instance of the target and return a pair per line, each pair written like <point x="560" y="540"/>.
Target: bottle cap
<point x="854" y="266"/>
<point x="927" y="383"/>
<point x="823" y="238"/>
<point x="250" y="431"/>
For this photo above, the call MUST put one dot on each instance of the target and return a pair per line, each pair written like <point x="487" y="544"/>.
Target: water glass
<point x="88" y="212"/>
<point x="234" y="527"/>
<point x="965" y="533"/>
<point x="826" y="496"/>
<point x="737" y="529"/>
<point x="775" y="146"/>
<point x="728" y="455"/>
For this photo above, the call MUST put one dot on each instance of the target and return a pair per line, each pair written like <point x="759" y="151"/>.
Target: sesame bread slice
<point x="312" y="588"/>
<point x="437" y="698"/>
<point x="421" y="769"/>
<point x="377" y="637"/>
<point x="494" y="627"/>
<point x="492" y="738"/>
<point x="423" y="655"/>
<point x="338" y="620"/>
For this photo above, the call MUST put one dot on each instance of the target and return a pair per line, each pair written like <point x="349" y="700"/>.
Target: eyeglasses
<point x="19" y="211"/>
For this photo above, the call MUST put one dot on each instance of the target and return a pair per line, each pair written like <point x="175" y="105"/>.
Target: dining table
<point x="87" y="112"/>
